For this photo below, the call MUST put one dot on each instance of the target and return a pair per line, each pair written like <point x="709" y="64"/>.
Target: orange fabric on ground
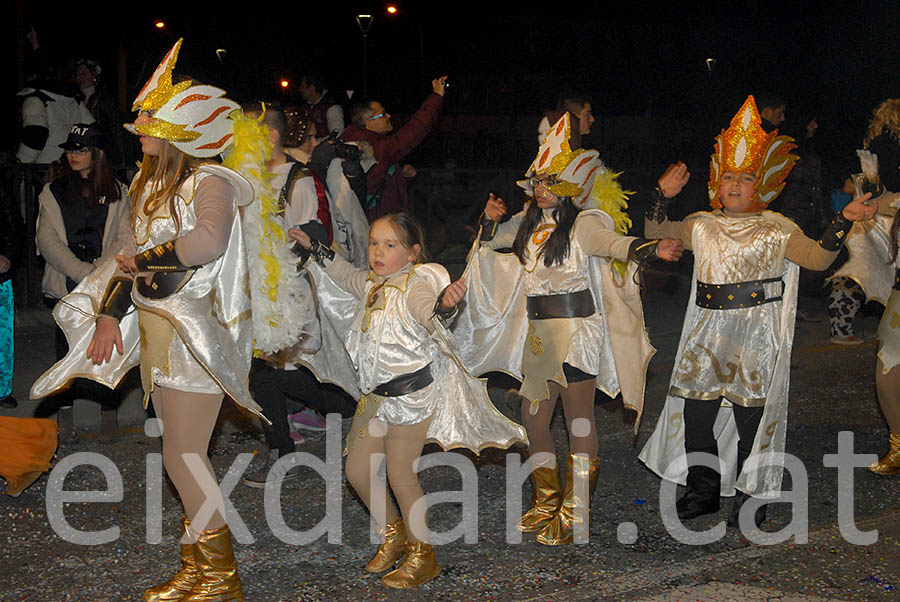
<point x="26" y="446"/>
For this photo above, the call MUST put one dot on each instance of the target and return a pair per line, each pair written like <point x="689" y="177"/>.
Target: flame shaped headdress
<point x="745" y="147"/>
<point x="575" y="171"/>
<point x="194" y="118"/>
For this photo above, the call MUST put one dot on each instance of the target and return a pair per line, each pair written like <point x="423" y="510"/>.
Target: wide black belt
<point x="406" y="383"/>
<point x="567" y="305"/>
<point x="736" y="295"/>
<point x="897" y="279"/>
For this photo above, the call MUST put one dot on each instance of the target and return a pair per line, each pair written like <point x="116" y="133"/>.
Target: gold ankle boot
<point x="559" y="530"/>
<point x="546" y="498"/>
<point x="889" y="464"/>
<point x="182" y="582"/>
<point x="391" y="549"/>
<point x="417" y="568"/>
<point x="218" y="579"/>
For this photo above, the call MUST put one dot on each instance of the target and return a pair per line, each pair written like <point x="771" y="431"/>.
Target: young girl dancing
<point x="189" y="332"/>
<point x="736" y="343"/>
<point x="561" y="313"/>
<point x="413" y="391"/>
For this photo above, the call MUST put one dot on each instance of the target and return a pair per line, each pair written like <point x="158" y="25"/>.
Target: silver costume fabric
<point x="746" y="341"/>
<point x="869" y="265"/>
<point x="492" y="329"/>
<point x="210" y="314"/>
<point x="731" y="353"/>
<point x="384" y="342"/>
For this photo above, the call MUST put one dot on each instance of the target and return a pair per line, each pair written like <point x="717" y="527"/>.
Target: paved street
<point x="630" y="555"/>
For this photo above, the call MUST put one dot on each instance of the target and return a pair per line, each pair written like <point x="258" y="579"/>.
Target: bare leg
<point x="578" y="404"/>
<point x="888" y="387"/>
<point x="403" y="446"/>
<point x="360" y="476"/>
<point x="188" y="422"/>
<point x="538" y="425"/>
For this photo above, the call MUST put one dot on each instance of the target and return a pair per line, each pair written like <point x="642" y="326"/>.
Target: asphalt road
<point x="630" y="554"/>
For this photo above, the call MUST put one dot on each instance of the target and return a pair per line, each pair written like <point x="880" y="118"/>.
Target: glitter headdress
<point x="746" y="148"/>
<point x="574" y="170"/>
<point x="194" y="118"/>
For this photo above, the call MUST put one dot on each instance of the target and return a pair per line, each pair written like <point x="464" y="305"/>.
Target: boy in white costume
<point x="738" y="331"/>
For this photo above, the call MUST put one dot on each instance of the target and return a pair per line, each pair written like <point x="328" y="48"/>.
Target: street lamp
<point x="159" y="24"/>
<point x="365" y="24"/>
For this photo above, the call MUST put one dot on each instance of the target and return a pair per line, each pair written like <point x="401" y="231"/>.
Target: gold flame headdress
<point x="575" y="171"/>
<point x="194" y="118"/>
<point x="745" y="147"/>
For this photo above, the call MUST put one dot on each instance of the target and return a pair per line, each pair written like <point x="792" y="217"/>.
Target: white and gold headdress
<point x="745" y="147"/>
<point x="194" y="118"/>
<point x="575" y="170"/>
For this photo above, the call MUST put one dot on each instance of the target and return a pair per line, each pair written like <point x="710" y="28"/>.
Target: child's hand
<point x="860" y="209"/>
<point x="453" y="294"/>
<point x="107" y="335"/>
<point x="301" y="237"/>
<point x="674" y="179"/>
<point x="495" y="208"/>
<point x="669" y="249"/>
<point x="127" y="264"/>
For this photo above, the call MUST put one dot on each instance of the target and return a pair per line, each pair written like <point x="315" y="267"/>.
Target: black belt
<point x="897" y="279"/>
<point x="737" y="295"/>
<point x="406" y="383"/>
<point x="567" y="305"/>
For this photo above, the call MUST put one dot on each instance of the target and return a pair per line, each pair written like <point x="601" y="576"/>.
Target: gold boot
<point x="182" y="582"/>
<point x="559" y="530"/>
<point x="546" y="498"/>
<point x="218" y="579"/>
<point x="417" y="568"/>
<point x="889" y="464"/>
<point x="391" y="549"/>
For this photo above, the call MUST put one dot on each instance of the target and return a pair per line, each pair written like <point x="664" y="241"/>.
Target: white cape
<point x="489" y="333"/>
<point x="664" y="451"/>
<point x="465" y="416"/>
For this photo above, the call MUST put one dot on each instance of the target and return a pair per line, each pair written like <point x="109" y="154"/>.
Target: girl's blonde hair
<point x="164" y="175"/>
<point x="885" y="117"/>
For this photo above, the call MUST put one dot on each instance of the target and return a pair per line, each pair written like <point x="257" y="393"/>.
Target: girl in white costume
<point x="735" y="347"/>
<point x="413" y="391"/>
<point x="875" y="265"/>
<point x="184" y="270"/>
<point x="559" y="313"/>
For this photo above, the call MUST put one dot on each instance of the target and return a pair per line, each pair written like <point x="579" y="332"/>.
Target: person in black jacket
<point x="11" y="228"/>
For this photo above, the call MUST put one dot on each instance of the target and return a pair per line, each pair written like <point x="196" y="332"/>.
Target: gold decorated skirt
<point x="167" y="362"/>
<point x="550" y="344"/>
<point x="889" y="333"/>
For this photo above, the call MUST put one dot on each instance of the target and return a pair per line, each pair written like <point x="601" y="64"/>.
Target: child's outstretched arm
<point x="669" y="185"/>
<point x="819" y="254"/>
<point x="344" y="274"/>
<point x="493" y="233"/>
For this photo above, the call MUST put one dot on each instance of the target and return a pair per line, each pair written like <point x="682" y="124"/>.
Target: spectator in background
<point x="84" y="216"/>
<point x="772" y="110"/>
<point x="103" y="107"/>
<point x="49" y="110"/>
<point x="582" y="113"/>
<point x="325" y="111"/>
<point x="387" y="182"/>
<point x="10" y="255"/>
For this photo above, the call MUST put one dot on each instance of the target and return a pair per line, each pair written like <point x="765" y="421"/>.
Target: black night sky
<point x="835" y="60"/>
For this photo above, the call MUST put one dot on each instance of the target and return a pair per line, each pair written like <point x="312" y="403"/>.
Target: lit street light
<point x="365" y="23"/>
